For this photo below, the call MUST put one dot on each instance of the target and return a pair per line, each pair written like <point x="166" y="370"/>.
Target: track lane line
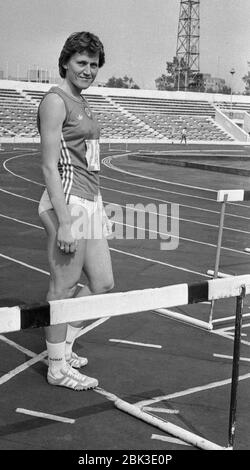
<point x="139" y="210"/>
<point x="123" y="192"/>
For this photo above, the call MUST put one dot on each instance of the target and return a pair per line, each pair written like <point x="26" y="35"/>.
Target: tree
<point x="226" y="90"/>
<point x="163" y="83"/>
<point x="196" y="83"/>
<point x="176" y="76"/>
<point x="125" y="82"/>
<point x="246" y="80"/>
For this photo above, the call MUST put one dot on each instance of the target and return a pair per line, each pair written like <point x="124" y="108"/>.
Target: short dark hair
<point x="80" y="42"/>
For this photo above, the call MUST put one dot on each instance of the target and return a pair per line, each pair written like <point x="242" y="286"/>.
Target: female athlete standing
<point x="71" y="207"/>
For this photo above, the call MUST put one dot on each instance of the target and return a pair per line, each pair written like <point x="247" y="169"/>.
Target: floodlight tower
<point x="188" y="40"/>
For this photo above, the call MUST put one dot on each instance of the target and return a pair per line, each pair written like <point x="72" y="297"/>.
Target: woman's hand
<point x="65" y="241"/>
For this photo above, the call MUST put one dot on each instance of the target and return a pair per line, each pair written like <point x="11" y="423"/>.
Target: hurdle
<point x="56" y="312"/>
<point x="123" y="143"/>
<point x="224" y="196"/>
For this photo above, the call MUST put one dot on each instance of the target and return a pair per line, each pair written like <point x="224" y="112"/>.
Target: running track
<point x="189" y="367"/>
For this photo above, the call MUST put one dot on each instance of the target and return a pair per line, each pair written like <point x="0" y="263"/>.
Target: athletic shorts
<point x="89" y="219"/>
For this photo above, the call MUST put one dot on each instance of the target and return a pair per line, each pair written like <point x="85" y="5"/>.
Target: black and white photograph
<point x="124" y="231"/>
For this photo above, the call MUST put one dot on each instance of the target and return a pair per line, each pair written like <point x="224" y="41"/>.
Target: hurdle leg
<point x="218" y="250"/>
<point x="235" y="368"/>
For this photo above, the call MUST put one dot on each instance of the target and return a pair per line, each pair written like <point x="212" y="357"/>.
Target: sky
<point x="139" y="36"/>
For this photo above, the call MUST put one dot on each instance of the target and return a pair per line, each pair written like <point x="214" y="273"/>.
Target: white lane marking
<point x="18" y="195"/>
<point x="22" y="367"/>
<point x="161" y="410"/>
<point x="159" y="262"/>
<point x="26" y="265"/>
<point x="20" y="150"/>
<point x="228" y="328"/>
<point x="93" y="325"/>
<point x="139" y="210"/>
<point x="39" y="414"/>
<point x="20" y="348"/>
<point x="171" y="192"/>
<point x="111" y="249"/>
<point x="15" y="174"/>
<point x="147" y="345"/>
<point x="223" y="356"/>
<point x="229" y="336"/>
<point x="171" y="440"/>
<point x="107" y="162"/>
<point x="220" y="320"/>
<point x="189" y="240"/>
<point x="23" y="148"/>
<point x="128" y="193"/>
<point x="20" y="221"/>
<point x="159" y="189"/>
<point x="179" y="218"/>
<point x="190" y="391"/>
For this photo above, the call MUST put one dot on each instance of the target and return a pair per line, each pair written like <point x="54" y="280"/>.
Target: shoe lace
<point x="75" y="374"/>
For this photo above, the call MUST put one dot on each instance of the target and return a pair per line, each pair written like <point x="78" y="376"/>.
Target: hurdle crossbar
<point x="233" y="195"/>
<point x="107" y="305"/>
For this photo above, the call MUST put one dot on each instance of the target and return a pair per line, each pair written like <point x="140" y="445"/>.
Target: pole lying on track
<point x="168" y="427"/>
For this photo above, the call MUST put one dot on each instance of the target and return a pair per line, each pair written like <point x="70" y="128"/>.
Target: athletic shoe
<point x="76" y="361"/>
<point x="71" y="378"/>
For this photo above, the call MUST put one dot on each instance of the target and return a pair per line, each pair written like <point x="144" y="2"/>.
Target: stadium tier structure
<point x="134" y="115"/>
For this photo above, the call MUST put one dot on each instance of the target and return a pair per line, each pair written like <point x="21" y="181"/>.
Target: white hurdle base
<point x="210" y="272"/>
<point x="167" y="427"/>
<point x="184" y="318"/>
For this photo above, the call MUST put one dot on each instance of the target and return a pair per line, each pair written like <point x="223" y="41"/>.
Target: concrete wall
<point x="230" y="127"/>
<point x="246" y="124"/>
<point x="178" y="95"/>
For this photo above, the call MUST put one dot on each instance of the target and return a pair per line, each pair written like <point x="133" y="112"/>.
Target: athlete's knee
<point x="57" y="292"/>
<point x="106" y="285"/>
<point x="109" y="285"/>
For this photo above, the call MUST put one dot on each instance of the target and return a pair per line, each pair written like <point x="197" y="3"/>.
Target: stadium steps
<point x="150" y="130"/>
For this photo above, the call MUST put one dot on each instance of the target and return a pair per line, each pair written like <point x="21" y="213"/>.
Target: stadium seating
<point x="17" y="115"/>
<point x="121" y="116"/>
<point x="236" y="106"/>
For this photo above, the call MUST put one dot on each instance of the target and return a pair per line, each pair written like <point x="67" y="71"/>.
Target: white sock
<point x="56" y="357"/>
<point x="72" y="333"/>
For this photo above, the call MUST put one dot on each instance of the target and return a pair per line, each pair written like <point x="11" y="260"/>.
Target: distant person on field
<point x="172" y="135"/>
<point x="184" y="135"/>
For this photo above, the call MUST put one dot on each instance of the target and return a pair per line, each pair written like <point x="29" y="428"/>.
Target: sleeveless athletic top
<point x="79" y="162"/>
